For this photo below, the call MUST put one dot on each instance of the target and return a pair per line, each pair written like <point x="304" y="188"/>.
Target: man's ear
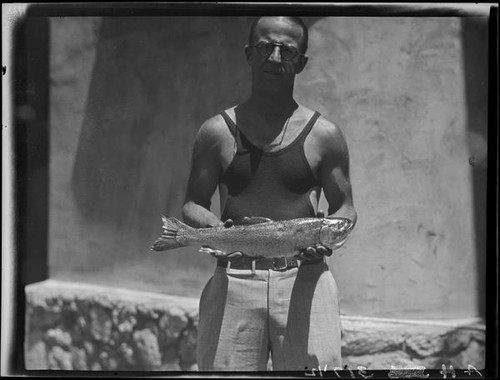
<point x="302" y="63"/>
<point x="248" y="53"/>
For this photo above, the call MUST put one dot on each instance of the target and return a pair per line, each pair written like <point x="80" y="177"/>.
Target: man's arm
<point x="204" y="176"/>
<point x="206" y="169"/>
<point x="334" y="175"/>
<point x="334" y="178"/>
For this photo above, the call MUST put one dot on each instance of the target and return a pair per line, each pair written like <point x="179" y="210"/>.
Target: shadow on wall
<point x="154" y="82"/>
<point x="475" y="48"/>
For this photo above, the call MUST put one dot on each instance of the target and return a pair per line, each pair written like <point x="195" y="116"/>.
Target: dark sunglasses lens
<point x="265" y="49"/>
<point x="289" y="52"/>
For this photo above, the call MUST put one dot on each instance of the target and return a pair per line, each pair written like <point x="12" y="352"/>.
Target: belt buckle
<point x="280" y="268"/>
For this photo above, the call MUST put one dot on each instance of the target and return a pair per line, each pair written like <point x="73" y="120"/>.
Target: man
<point x="270" y="157"/>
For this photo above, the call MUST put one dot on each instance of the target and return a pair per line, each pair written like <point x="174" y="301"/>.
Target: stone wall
<point x="72" y="326"/>
<point x="84" y="327"/>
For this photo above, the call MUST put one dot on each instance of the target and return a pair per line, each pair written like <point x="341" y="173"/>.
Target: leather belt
<point x="275" y="263"/>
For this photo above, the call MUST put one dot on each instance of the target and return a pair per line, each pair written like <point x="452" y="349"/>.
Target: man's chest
<point x="297" y="138"/>
<point x="287" y="159"/>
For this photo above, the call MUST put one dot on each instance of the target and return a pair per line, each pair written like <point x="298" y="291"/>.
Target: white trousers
<point x="293" y="315"/>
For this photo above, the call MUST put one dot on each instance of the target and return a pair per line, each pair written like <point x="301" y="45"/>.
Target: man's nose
<point x="275" y="55"/>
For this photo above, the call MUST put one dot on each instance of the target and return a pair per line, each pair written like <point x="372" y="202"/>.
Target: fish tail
<point x="169" y="239"/>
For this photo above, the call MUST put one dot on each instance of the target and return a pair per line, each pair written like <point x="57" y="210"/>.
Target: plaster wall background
<point x="128" y="95"/>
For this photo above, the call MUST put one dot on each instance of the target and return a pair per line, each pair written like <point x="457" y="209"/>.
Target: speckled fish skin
<point x="268" y="239"/>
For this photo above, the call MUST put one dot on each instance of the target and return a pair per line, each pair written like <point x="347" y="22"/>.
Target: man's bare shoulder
<point x="214" y="130"/>
<point x="327" y="129"/>
<point x="322" y="126"/>
<point x="214" y="125"/>
<point x="328" y="137"/>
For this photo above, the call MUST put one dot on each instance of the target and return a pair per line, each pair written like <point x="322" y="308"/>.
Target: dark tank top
<point x="275" y="185"/>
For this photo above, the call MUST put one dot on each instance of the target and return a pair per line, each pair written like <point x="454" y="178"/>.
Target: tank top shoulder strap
<point x="243" y="144"/>
<point x="233" y="128"/>
<point x="309" y="125"/>
<point x="230" y="123"/>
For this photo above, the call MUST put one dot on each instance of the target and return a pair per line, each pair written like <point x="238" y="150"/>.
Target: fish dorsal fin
<point x="249" y="220"/>
<point x="173" y="224"/>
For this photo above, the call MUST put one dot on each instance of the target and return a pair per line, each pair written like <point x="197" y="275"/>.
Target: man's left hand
<point x="316" y="251"/>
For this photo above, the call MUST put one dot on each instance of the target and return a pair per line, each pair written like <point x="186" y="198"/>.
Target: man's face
<point x="277" y="62"/>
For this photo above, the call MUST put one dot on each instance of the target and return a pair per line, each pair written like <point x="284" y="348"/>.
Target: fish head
<point x="335" y="230"/>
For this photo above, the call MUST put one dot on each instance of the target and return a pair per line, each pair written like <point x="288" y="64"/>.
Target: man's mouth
<point x="273" y="72"/>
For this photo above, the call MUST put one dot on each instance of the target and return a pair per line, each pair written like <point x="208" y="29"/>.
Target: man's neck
<point x="272" y="107"/>
<point x="272" y="103"/>
<point x="273" y="96"/>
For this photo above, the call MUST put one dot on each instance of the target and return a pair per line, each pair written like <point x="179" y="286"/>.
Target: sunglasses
<point x="287" y="52"/>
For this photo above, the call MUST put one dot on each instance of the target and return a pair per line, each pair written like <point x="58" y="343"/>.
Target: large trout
<point x="267" y="239"/>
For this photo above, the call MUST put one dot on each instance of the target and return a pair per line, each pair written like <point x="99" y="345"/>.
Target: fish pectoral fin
<point x="206" y="249"/>
<point x="234" y="255"/>
<point x="249" y="220"/>
<point x="217" y="253"/>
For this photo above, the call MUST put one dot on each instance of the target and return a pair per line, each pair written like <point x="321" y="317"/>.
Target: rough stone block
<point x="361" y="342"/>
<point x="126" y="354"/>
<point x="100" y="323"/>
<point x="170" y="354"/>
<point x="380" y="361"/>
<point x="58" y="358"/>
<point x="58" y="337"/>
<point x="79" y="359"/>
<point x="36" y="356"/>
<point x="146" y="345"/>
<point x="187" y="348"/>
<point x="44" y="316"/>
<point x="89" y="348"/>
<point x="170" y="367"/>
<point x="192" y="368"/>
<point x="96" y="367"/>
<point x="110" y="364"/>
<point x="478" y="334"/>
<point x="171" y="325"/>
<point x="425" y="344"/>
<point x="430" y="362"/>
<point x="458" y="339"/>
<point x="473" y="355"/>
<point x="170" y="360"/>
<point x="78" y="331"/>
<point x="127" y="324"/>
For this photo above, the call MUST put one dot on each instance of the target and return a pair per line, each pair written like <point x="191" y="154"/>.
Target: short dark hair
<point x="296" y="20"/>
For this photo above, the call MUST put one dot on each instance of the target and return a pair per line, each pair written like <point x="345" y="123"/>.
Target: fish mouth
<point x="341" y="228"/>
<point x="344" y="223"/>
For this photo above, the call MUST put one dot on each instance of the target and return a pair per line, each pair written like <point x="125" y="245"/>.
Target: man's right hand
<point x="227" y="224"/>
<point x="316" y="251"/>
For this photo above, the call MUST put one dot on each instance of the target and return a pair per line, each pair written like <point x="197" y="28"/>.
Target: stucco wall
<point x="397" y="88"/>
<point x="128" y="95"/>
